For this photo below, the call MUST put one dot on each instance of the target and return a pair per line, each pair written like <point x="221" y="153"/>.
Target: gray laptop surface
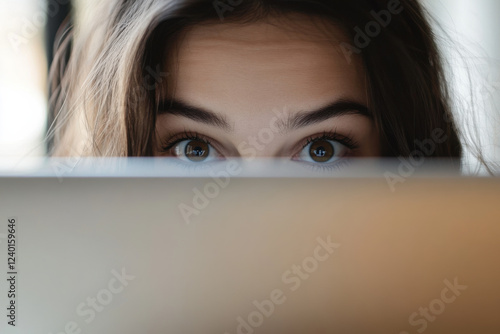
<point x="120" y="252"/>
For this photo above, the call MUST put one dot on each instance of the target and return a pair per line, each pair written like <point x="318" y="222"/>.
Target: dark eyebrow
<point x="336" y="109"/>
<point x="294" y="121"/>
<point x="175" y="107"/>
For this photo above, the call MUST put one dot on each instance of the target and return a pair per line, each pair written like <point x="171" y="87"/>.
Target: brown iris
<point x="321" y="151"/>
<point x="197" y="150"/>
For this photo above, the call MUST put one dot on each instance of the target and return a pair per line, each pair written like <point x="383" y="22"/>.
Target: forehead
<point x="292" y="62"/>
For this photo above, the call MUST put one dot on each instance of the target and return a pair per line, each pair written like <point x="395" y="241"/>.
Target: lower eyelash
<point x="329" y="167"/>
<point x="348" y="141"/>
<point x="191" y="167"/>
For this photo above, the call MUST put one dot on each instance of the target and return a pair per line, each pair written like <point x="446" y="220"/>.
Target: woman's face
<point x="279" y="88"/>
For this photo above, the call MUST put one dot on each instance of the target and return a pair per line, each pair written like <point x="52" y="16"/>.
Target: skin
<point x="256" y="77"/>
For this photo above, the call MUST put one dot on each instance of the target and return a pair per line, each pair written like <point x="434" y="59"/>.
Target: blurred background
<point x="467" y="33"/>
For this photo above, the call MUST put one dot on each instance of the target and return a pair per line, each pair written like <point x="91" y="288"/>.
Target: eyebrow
<point x="335" y="109"/>
<point x="175" y="107"/>
<point x="293" y="121"/>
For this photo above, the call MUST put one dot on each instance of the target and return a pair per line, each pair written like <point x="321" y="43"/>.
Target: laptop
<point x="142" y="246"/>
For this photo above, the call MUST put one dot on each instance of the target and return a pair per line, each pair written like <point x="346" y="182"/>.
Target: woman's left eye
<point x="322" y="151"/>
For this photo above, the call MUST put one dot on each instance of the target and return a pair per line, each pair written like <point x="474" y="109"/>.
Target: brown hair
<point x="105" y="105"/>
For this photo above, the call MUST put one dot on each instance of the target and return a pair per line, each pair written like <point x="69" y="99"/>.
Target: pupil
<point x="196" y="150"/>
<point x="321" y="151"/>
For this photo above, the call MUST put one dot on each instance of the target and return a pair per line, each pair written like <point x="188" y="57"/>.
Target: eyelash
<point x="333" y="135"/>
<point x="348" y="141"/>
<point x="186" y="135"/>
<point x="330" y="167"/>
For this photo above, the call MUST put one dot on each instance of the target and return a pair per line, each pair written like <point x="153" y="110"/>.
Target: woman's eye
<point x="194" y="150"/>
<point x="322" y="151"/>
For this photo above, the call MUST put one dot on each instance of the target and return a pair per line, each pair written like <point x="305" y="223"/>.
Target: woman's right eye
<point x="194" y="150"/>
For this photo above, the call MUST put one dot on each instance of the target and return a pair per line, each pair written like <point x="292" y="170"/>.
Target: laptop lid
<point x="249" y="255"/>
